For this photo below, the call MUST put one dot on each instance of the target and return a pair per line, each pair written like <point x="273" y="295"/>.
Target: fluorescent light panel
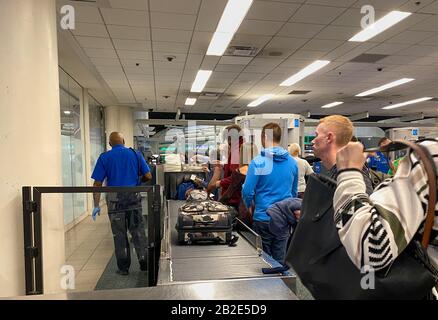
<point x="201" y="80"/>
<point x="67" y="112"/>
<point x="233" y="15"/>
<point x="402" y="104"/>
<point x="385" y="86"/>
<point x="260" y="100"/>
<point x="380" y="25"/>
<point x="190" y="101"/>
<point x="331" y="105"/>
<point x="311" y="68"/>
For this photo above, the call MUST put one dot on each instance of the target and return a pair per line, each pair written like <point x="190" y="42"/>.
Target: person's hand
<point x="297" y="214"/>
<point x="96" y="211"/>
<point x="351" y="156"/>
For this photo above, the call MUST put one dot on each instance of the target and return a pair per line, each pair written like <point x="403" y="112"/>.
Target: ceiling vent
<point x="241" y="51"/>
<point x="369" y="58"/>
<point x="297" y="92"/>
<point x="209" y="95"/>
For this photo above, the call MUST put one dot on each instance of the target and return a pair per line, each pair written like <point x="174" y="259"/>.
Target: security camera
<point x="379" y="69"/>
<point x="304" y="100"/>
<point x="170" y="58"/>
<point x="150" y="109"/>
<point x="166" y="97"/>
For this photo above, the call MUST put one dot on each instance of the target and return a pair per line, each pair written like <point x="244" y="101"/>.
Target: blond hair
<point x="294" y="149"/>
<point x="248" y="151"/>
<point x="341" y="126"/>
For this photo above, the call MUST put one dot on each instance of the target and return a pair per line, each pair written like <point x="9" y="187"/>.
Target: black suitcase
<point x="204" y="221"/>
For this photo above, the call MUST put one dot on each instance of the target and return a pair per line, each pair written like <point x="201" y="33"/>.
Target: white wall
<point x="29" y="136"/>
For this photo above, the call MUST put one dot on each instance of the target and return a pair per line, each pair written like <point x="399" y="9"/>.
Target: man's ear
<point x="330" y="137"/>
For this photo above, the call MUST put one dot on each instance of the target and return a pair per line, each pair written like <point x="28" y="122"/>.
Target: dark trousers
<point x="273" y="245"/>
<point x="126" y="214"/>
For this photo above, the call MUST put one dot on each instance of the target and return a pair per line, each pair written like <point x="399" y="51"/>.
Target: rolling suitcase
<point x="202" y="220"/>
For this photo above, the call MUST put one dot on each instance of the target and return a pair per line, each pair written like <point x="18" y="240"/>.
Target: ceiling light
<point x="380" y="25"/>
<point x="311" y="68"/>
<point x="190" y="101"/>
<point x="260" y="100"/>
<point x="67" y="112"/>
<point x="233" y="15"/>
<point x="398" y="105"/>
<point x="201" y="80"/>
<point x="331" y="105"/>
<point x="384" y="87"/>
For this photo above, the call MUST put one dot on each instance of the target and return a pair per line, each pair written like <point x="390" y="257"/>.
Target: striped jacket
<point x="375" y="229"/>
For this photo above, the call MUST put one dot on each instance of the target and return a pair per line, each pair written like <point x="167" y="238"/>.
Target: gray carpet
<point x="111" y="280"/>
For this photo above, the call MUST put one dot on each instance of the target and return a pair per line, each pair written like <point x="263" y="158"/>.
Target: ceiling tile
<point x="90" y="29"/>
<point x="419" y="51"/>
<point x="388" y="48"/>
<point x="337" y="3"/>
<point x="316" y="14"/>
<point x="235" y="60"/>
<point x="129" y="33"/>
<point x="132" y="54"/>
<point x="113" y="68"/>
<point x="209" y="62"/>
<point x="200" y="42"/>
<point x="337" y="33"/>
<point x="105" y="61"/>
<point x="229" y="68"/>
<point x="259" y="27"/>
<point x="142" y="63"/>
<point x="176" y="47"/>
<point x="431" y="8"/>
<point x="322" y="45"/>
<point x="263" y="10"/>
<point x="250" y="40"/>
<point x="387" y="5"/>
<point x="94" y="42"/>
<point x="173" y="21"/>
<point x="170" y="35"/>
<point x="175" y="6"/>
<point x="433" y="41"/>
<point x="429" y="24"/>
<point x="131" y="4"/>
<point x="125" y="17"/>
<point x="307" y="55"/>
<point x="411" y="37"/>
<point x="135" y="45"/>
<point x="300" y="30"/>
<point x="210" y="14"/>
<point x="194" y="61"/>
<point x="86" y="13"/>
<point x="100" y="53"/>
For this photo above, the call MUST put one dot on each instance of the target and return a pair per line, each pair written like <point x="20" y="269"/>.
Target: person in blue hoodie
<point x="272" y="177"/>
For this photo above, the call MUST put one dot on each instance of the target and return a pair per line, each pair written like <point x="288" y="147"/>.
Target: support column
<point x="120" y="119"/>
<point x="30" y="137"/>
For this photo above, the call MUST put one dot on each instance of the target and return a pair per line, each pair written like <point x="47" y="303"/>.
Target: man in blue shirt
<point x="122" y="167"/>
<point x="272" y="177"/>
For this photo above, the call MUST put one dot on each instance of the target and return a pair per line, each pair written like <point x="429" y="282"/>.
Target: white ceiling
<point x="116" y="35"/>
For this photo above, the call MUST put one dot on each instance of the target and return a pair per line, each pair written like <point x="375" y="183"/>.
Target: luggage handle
<point x="430" y="168"/>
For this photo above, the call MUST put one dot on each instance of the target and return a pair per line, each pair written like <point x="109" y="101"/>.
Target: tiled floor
<point x="88" y="248"/>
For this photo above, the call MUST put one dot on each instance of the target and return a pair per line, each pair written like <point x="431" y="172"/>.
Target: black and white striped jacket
<point x="375" y="229"/>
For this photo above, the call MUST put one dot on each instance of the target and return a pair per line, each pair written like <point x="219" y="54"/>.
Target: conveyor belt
<point x="209" y="262"/>
<point x="247" y="289"/>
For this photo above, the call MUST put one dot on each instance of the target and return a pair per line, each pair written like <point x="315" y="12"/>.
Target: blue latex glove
<point x="96" y="211"/>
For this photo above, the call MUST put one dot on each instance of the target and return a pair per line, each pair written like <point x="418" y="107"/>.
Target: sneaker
<point x="143" y="264"/>
<point x="122" y="272"/>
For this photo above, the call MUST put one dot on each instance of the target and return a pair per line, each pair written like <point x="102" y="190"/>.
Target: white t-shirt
<point x="304" y="169"/>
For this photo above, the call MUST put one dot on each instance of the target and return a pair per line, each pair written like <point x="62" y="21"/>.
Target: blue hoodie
<point x="272" y="176"/>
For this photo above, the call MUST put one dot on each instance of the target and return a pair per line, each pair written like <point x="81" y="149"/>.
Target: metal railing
<point x="32" y="227"/>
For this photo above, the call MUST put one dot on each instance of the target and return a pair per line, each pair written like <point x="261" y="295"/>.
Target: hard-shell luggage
<point x="202" y="220"/>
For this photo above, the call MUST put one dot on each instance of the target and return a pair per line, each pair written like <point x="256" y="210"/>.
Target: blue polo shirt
<point x="120" y="167"/>
<point x="379" y="162"/>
